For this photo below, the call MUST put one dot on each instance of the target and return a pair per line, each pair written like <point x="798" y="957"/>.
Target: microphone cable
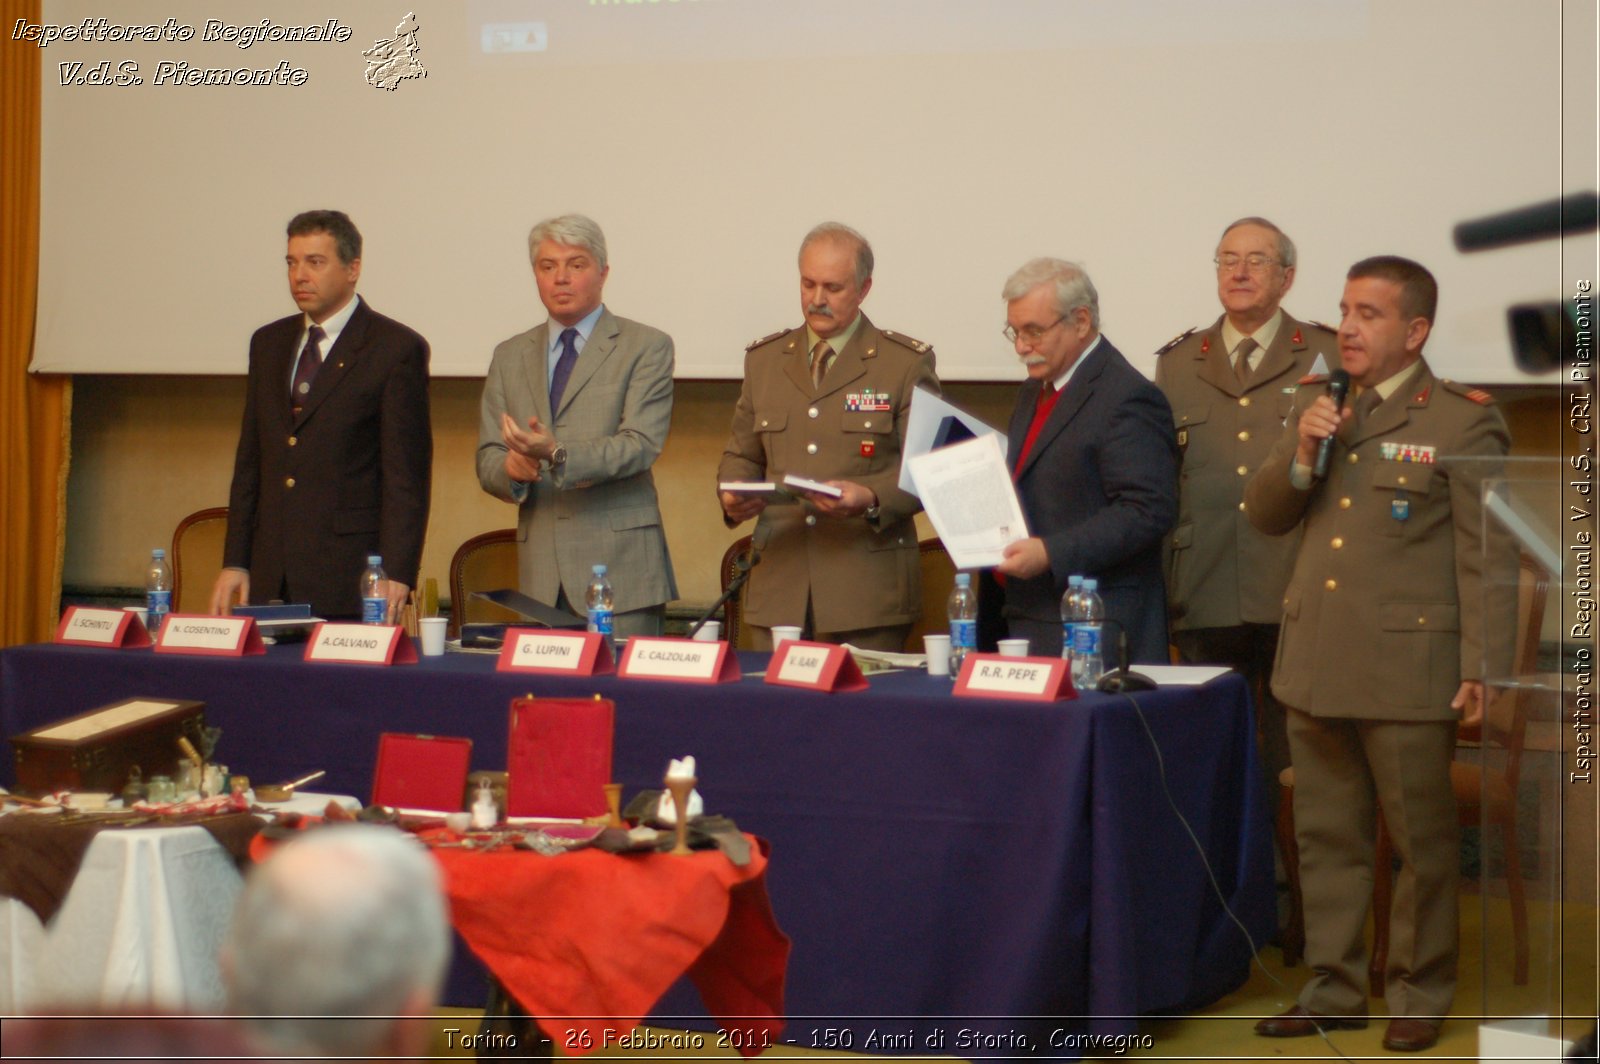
<point x="1205" y="862"/>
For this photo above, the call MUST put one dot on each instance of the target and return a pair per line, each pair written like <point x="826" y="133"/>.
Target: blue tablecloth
<point x="943" y="864"/>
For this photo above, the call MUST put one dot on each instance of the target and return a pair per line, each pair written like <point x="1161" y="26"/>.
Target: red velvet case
<point x="422" y="771"/>
<point x="559" y="757"/>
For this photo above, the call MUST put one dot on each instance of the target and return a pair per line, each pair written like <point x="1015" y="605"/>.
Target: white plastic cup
<point x="1013" y="648"/>
<point x="710" y="632"/>
<point x="938" y="648"/>
<point x="139" y="612"/>
<point x="432" y="629"/>
<point x="784" y="633"/>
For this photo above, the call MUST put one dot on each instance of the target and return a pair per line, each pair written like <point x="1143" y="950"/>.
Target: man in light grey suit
<point x="574" y="413"/>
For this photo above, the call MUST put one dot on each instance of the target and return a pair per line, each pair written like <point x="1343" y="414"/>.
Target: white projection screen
<point x="706" y="136"/>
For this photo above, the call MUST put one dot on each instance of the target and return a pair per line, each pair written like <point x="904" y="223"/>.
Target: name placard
<point x="678" y="660"/>
<point x="361" y="644"/>
<point x="1026" y="679"/>
<point x="90" y="626"/>
<point x="817" y="666"/>
<point x="549" y="650"/>
<point x="186" y="633"/>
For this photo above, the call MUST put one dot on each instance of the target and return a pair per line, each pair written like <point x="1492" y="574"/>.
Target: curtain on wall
<point x="35" y="411"/>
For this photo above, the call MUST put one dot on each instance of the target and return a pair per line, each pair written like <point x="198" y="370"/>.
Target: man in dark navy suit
<point x="1095" y="460"/>
<point x="335" y="454"/>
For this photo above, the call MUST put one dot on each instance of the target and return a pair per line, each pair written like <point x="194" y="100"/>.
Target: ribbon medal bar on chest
<point x="867" y="402"/>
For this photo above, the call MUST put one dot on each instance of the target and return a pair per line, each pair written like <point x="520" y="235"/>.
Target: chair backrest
<point x="733" y="626"/>
<point x="486" y="562"/>
<point x="197" y="545"/>
<point x="938" y="579"/>
<point x="1506" y="719"/>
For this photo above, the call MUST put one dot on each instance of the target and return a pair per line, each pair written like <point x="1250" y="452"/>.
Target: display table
<point x="606" y="935"/>
<point x="1008" y="867"/>
<point x="140" y="926"/>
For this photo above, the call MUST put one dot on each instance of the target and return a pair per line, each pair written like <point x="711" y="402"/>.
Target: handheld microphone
<point x="1338" y="388"/>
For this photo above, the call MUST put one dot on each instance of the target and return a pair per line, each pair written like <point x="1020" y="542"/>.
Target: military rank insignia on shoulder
<point x="1477" y="395"/>
<point x="906" y="341"/>
<point x="753" y="344"/>
<point x="1175" y="341"/>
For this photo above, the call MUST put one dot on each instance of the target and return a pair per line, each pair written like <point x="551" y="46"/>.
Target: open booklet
<point x="967" y="494"/>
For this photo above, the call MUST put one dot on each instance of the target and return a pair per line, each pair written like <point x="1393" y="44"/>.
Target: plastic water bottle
<point x="1087" y="660"/>
<point x="374" y="599"/>
<point x="962" y="607"/>
<point x="1069" y="614"/>
<point x="157" y="590"/>
<point x="599" y="600"/>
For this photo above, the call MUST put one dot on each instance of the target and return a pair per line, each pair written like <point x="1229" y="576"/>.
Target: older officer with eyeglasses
<point x="1231" y="385"/>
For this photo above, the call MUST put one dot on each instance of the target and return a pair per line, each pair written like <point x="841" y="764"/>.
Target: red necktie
<point x="1048" y="397"/>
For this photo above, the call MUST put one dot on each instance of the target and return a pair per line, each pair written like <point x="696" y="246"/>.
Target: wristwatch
<point x="558" y="456"/>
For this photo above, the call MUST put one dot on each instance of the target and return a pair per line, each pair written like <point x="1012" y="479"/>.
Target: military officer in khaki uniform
<point x="829" y="401"/>
<point x="1230" y="386"/>
<point x="1383" y="650"/>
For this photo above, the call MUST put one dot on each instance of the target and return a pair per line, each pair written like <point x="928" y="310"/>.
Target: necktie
<point x="1241" y="359"/>
<point x="306" y="369"/>
<point x="821" y="355"/>
<point x="1042" y="409"/>
<point x="564" y="364"/>
<point x="1365" y="404"/>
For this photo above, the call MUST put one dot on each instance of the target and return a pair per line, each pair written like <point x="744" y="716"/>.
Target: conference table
<point x="963" y="875"/>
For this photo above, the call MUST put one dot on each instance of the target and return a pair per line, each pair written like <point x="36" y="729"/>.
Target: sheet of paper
<point x="928" y="412"/>
<point x="968" y="495"/>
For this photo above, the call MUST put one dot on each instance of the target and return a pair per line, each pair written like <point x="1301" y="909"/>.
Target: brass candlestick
<point x="613" y="793"/>
<point x="680" y="787"/>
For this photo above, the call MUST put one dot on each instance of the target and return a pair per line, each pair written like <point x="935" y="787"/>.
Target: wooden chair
<point x="1485" y="795"/>
<point x="485" y="562"/>
<point x="734" y="630"/>
<point x="1481" y="793"/>
<point x="197" y="545"/>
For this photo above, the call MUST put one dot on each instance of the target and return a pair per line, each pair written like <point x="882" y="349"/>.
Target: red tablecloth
<point x="587" y="942"/>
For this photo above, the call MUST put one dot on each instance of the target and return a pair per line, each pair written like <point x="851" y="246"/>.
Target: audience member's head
<point x="343" y="922"/>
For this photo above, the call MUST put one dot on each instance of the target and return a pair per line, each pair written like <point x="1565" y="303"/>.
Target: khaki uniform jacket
<point x="1221" y="571"/>
<point x="858" y="573"/>
<point x="1384" y="617"/>
<point x="600" y="506"/>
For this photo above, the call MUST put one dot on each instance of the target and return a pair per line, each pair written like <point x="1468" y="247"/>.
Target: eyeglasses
<point x="1031" y="333"/>
<point x="1255" y="262"/>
